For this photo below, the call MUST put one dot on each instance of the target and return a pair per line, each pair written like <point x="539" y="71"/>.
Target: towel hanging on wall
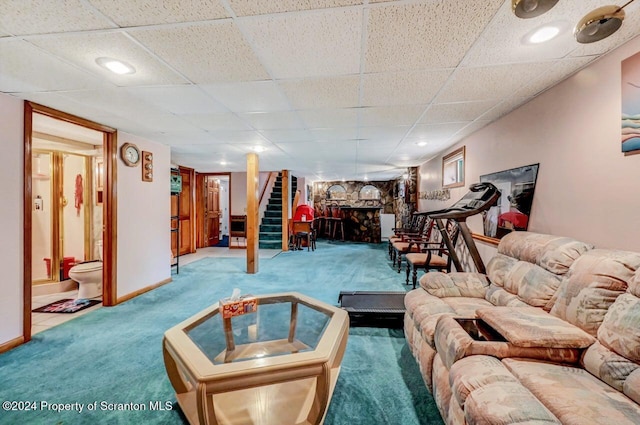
<point x="78" y="193"/>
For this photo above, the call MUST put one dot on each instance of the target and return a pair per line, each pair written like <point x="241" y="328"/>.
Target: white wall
<point x="11" y="260"/>
<point x="144" y="211"/>
<point x="586" y="187"/>
<point x="239" y="191"/>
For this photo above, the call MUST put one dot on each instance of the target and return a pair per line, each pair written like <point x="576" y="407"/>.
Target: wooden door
<point x="212" y="211"/>
<point x="185" y="211"/>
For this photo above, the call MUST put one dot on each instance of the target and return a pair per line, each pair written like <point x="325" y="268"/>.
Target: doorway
<point x="62" y="181"/>
<point x="213" y="206"/>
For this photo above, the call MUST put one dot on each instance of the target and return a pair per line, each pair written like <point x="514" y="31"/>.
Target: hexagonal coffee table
<point x="278" y="365"/>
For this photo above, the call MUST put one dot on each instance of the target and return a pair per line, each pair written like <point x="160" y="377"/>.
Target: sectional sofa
<point x="552" y="335"/>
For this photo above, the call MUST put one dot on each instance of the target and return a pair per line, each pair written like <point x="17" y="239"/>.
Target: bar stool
<point x="328" y="222"/>
<point x="338" y="222"/>
<point x="319" y="221"/>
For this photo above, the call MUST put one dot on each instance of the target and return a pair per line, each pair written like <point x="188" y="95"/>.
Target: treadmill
<point x="386" y="308"/>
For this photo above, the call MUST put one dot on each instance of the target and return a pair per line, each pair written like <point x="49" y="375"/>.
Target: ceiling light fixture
<point x="422" y="143"/>
<point x="600" y="23"/>
<point x="543" y="34"/>
<point x="223" y="162"/>
<point x="116" y="66"/>
<point x="258" y="149"/>
<point x="526" y="9"/>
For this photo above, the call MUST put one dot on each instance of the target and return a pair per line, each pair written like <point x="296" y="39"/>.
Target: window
<point x="453" y="169"/>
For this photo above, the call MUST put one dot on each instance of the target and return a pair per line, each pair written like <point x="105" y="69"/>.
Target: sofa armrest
<point x="441" y="285"/>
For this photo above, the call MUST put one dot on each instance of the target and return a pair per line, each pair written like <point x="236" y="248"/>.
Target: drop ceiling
<point x="331" y="89"/>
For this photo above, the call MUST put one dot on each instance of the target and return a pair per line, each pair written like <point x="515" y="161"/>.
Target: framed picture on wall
<point x="513" y="209"/>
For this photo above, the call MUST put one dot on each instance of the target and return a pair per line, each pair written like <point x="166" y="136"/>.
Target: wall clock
<point x="130" y="154"/>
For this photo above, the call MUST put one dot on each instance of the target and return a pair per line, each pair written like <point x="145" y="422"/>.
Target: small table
<point x="281" y="368"/>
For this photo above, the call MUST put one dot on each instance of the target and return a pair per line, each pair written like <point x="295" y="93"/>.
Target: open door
<point x="212" y="211"/>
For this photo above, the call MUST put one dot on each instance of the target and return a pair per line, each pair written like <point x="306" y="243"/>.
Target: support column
<point x="253" y="178"/>
<point x="285" y="210"/>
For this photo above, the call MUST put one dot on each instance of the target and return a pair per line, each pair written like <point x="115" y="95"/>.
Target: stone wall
<point x="352" y="188"/>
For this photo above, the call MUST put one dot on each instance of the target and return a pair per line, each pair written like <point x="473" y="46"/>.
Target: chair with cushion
<point x="412" y="242"/>
<point x="432" y="256"/>
<point x="414" y="227"/>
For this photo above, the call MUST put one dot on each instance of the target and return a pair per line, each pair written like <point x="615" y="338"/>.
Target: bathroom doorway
<point x="69" y="208"/>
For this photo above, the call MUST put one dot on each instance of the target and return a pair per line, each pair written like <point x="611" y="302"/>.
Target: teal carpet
<point x="379" y="383"/>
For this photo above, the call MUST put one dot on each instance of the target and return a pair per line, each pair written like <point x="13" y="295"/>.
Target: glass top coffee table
<point x="278" y="365"/>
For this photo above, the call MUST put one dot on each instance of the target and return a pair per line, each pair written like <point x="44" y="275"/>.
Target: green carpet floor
<point x="114" y="355"/>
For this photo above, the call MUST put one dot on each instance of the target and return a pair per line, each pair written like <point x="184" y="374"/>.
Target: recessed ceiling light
<point x="422" y="143"/>
<point x="366" y="178"/>
<point x="258" y="148"/>
<point x="223" y="162"/>
<point x="116" y="66"/>
<point x="543" y="34"/>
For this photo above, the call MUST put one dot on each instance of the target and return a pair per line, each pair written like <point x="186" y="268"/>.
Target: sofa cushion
<point x="594" y="282"/>
<point x="498" y="296"/>
<point x="609" y="367"/>
<point x="620" y="329"/>
<point x="532" y="284"/>
<point x="455" y="284"/>
<point x="553" y="253"/>
<point x="532" y="327"/>
<point x="574" y="395"/>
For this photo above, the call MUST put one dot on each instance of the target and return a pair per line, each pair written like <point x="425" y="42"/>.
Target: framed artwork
<point x="631" y="105"/>
<point x="513" y="209"/>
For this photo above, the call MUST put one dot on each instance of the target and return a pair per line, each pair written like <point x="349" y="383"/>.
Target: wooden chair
<point x="432" y="256"/>
<point x="416" y="223"/>
<point x="411" y="242"/>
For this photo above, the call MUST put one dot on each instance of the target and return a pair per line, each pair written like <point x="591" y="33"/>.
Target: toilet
<point x="89" y="277"/>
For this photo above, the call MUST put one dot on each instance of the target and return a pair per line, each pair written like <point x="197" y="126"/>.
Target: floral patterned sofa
<point x="567" y="320"/>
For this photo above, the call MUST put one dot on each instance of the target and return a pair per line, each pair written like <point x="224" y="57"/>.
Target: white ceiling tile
<point x="398" y="35"/>
<point x="325" y="118"/>
<point x="402" y="88"/>
<point x="128" y="13"/>
<point x="217" y="122"/>
<point x="252" y="96"/>
<point x="503" y="108"/>
<point x="180" y="100"/>
<point x="279" y="136"/>
<point x="313" y="151"/>
<point x="307" y="45"/>
<point x="470" y="129"/>
<point x="233" y="137"/>
<point x="265" y="7"/>
<point x="457" y="112"/>
<point x="435" y="132"/>
<point x="25" y="68"/>
<point x="497" y="82"/>
<point x="205" y="53"/>
<point x="390" y="115"/>
<point x="83" y="50"/>
<point x="45" y="17"/>
<point x="286" y="120"/>
<point x="506" y="38"/>
<point x="316" y="93"/>
<point x="387" y="133"/>
<point x="331" y="134"/>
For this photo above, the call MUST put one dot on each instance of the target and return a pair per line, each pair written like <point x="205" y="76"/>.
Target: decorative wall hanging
<point x="436" y="195"/>
<point x="513" y="208"/>
<point x="631" y="105"/>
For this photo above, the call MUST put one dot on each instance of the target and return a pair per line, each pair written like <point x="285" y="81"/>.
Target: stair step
<point x="272" y="220"/>
<point x="270" y="236"/>
<point x="273" y="214"/>
<point x="271" y="207"/>
<point x="270" y="244"/>
<point x="271" y="228"/>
